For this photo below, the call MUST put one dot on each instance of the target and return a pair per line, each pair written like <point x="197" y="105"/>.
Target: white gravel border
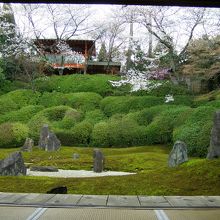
<point x="76" y="173"/>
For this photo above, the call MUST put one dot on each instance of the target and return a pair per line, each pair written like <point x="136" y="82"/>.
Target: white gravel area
<point x="76" y="173"/>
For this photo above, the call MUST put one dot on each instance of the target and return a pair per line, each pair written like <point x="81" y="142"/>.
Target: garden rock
<point x="76" y="156"/>
<point x="13" y="165"/>
<point x="48" y="140"/>
<point x="178" y="154"/>
<point x="58" y="190"/>
<point x="98" y="161"/>
<point x="28" y="145"/>
<point x="214" y="147"/>
<point x="44" y="168"/>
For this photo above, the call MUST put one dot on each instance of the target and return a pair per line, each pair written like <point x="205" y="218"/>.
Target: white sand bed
<point x="76" y="173"/>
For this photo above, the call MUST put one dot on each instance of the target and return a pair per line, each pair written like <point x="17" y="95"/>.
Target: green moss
<point x="195" y="177"/>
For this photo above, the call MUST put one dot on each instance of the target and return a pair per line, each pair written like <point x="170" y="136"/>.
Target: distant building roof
<point x="80" y="46"/>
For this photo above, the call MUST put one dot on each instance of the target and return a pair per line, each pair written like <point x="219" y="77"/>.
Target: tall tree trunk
<point x="150" y="45"/>
<point x="131" y="35"/>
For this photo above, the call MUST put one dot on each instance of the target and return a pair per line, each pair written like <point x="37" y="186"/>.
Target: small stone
<point x="44" y="168"/>
<point x="214" y="147"/>
<point x="28" y="145"/>
<point x="48" y="140"/>
<point x="178" y="154"/>
<point x="13" y="165"/>
<point x="98" y="159"/>
<point x="76" y="156"/>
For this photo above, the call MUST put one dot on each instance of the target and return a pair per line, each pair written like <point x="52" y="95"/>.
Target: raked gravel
<point x="76" y="173"/>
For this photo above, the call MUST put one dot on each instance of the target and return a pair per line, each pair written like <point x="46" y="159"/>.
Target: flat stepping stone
<point x="11" y="198"/>
<point x="123" y="201"/>
<point x="154" y="201"/>
<point x="61" y="199"/>
<point x="187" y="201"/>
<point x="213" y="201"/>
<point x="44" y="168"/>
<point x="35" y="199"/>
<point x="93" y="200"/>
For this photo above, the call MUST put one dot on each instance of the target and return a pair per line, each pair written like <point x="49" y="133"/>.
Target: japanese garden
<point x="134" y="89"/>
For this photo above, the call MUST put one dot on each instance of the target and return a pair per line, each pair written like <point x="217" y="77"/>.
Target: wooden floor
<point x="33" y="213"/>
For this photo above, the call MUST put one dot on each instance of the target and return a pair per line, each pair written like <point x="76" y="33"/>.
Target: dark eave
<point x="196" y="3"/>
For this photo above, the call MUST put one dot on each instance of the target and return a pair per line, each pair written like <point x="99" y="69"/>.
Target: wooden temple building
<point x="74" y="56"/>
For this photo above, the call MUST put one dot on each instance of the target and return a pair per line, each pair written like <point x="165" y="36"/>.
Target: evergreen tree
<point x="102" y="56"/>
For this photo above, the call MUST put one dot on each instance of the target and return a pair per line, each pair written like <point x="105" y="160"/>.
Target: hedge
<point x="146" y="116"/>
<point x="195" y="132"/>
<point x="79" y="135"/>
<point x="85" y="101"/>
<point x="167" y="87"/>
<point x="80" y="83"/>
<point x="23" y="97"/>
<point x="7" y="105"/>
<point x="13" y="134"/>
<point x="55" y="113"/>
<point x="161" y="129"/>
<point x="70" y="119"/>
<point x="118" y="133"/>
<point x="22" y="115"/>
<point x="35" y="124"/>
<point x="95" y="116"/>
<point x="124" y="104"/>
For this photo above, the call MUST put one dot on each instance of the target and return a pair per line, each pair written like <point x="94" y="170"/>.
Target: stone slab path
<point x="105" y="201"/>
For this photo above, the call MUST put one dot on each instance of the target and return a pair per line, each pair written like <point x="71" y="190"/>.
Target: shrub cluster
<point x="79" y="135"/>
<point x="21" y="115"/>
<point x="85" y="101"/>
<point x="195" y="132"/>
<point x="118" y="133"/>
<point x="13" y="134"/>
<point x="124" y="104"/>
<point x="160" y="131"/>
<point x="80" y="83"/>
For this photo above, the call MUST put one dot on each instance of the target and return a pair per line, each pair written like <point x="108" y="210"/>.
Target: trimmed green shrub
<point x="35" y="124"/>
<point x="23" y="97"/>
<point x="161" y="129"/>
<point x="7" y="105"/>
<point x="66" y="137"/>
<point x="146" y="116"/>
<point x="118" y="133"/>
<point x="71" y="118"/>
<point x="124" y="104"/>
<point x="195" y="132"/>
<point x="82" y="133"/>
<point x="13" y="134"/>
<point x="49" y="99"/>
<point x="85" y="101"/>
<point x="80" y="83"/>
<point x="55" y="113"/>
<point x="22" y="115"/>
<point x="182" y="100"/>
<point x="95" y="116"/>
<point x="101" y="135"/>
<point x="167" y="87"/>
<point x="79" y="135"/>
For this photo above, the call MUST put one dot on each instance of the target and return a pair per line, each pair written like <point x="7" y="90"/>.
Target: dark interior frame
<point x="195" y="3"/>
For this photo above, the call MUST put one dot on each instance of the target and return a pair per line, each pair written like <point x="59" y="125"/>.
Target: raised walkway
<point x="33" y="206"/>
<point x="108" y="201"/>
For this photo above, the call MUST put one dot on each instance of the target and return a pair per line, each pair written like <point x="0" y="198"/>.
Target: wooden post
<point x="86" y="58"/>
